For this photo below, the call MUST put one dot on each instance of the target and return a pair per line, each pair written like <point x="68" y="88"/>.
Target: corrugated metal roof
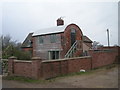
<point x="55" y="29"/>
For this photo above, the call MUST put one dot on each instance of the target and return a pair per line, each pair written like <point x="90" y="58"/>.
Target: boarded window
<point x="40" y="39"/>
<point x="53" y="38"/>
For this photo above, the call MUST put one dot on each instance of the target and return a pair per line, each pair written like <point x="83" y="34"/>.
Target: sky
<point x="19" y="18"/>
<point x="119" y="24"/>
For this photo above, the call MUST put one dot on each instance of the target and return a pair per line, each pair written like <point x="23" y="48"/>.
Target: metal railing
<point x="77" y="45"/>
<point x="3" y="66"/>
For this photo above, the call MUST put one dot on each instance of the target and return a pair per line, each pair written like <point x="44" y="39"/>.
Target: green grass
<point x="23" y="79"/>
<point x="73" y="74"/>
<point x="30" y="80"/>
<point x="111" y="66"/>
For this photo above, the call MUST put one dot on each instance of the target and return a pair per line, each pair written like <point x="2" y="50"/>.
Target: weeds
<point x="110" y="66"/>
<point x="23" y="79"/>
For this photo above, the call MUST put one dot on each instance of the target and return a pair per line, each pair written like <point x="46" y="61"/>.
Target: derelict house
<point x="61" y="41"/>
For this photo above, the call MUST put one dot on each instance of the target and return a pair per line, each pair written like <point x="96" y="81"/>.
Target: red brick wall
<point x="47" y="69"/>
<point x="23" y="69"/>
<point x="27" y="49"/>
<point x="52" y="68"/>
<point x="110" y="48"/>
<point x="67" y="36"/>
<point x="55" y="68"/>
<point x="102" y="58"/>
<point x="76" y="64"/>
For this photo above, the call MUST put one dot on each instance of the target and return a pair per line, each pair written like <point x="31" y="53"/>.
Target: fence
<point x="39" y="69"/>
<point x="3" y="66"/>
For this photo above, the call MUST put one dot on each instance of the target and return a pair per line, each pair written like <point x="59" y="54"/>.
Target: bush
<point x="21" y="55"/>
<point x="17" y="53"/>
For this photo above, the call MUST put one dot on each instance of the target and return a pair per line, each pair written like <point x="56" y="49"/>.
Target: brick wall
<point x="27" y="49"/>
<point x="22" y="68"/>
<point x="65" y="66"/>
<point x="49" y="68"/>
<point x="101" y="58"/>
<point x="67" y="36"/>
<point x="52" y="68"/>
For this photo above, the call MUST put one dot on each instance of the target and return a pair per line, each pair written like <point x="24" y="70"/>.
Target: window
<point x="29" y="43"/>
<point x="73" y="36"/>
<point x="53" y="54"/>
<point x="40" y="39"/>
<point x="73" y="30"/>
<point x="53" y="38"/>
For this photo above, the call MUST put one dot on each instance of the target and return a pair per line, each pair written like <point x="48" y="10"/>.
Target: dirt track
<point x="100" y="78"/>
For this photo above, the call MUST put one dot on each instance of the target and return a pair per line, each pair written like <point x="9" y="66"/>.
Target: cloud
<point x="0" y="19"/>
<point x="93" y="18"/>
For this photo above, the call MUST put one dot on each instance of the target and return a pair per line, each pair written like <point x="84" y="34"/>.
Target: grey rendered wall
<point x="41" y="50"/>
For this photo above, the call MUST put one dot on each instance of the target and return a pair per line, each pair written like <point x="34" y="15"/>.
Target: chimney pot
<point x="60" y="22"/>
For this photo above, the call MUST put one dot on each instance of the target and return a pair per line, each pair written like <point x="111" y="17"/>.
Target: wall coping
<point x="12" y="57"/>
<point x="36" y="58"/>
<point x="21" y="61"/>
<point x="58" y="60"/>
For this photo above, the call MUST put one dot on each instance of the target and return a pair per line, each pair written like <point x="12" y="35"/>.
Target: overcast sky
<point x="21" y="18"/>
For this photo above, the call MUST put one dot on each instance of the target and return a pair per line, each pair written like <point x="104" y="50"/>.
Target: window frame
<point x="50" y="55"/>
<point x="53" y="38"/>
<point x="40" y="39"/>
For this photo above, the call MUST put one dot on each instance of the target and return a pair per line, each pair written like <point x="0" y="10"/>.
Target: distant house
<point x="87" y="43"/>
<point x="27" y="44"/>
<point x="61" y="41"/>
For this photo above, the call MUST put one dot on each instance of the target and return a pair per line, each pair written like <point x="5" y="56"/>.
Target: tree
<point x="12" y="48"/>
<point x="0" y="47"/>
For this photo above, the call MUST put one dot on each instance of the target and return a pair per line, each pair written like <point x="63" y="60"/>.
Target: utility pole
<point x="108" y="37"/>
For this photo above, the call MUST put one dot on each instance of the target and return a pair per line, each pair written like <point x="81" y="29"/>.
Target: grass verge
<point x="23" y="79"/>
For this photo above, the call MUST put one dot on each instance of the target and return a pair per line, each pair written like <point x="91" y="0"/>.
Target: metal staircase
<point x="76" y="46"/>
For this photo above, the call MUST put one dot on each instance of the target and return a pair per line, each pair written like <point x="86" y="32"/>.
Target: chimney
<point x="60" y="22"/>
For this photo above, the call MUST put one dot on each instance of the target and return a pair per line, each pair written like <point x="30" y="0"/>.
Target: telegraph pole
<point x="108" y="37"/>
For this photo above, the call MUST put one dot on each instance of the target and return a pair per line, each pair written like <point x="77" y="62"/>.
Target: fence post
<point x="36" y="66"/>
<point x="11" y="65"/>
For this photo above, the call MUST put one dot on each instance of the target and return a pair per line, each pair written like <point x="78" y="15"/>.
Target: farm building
<point x="61" y="41"/>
